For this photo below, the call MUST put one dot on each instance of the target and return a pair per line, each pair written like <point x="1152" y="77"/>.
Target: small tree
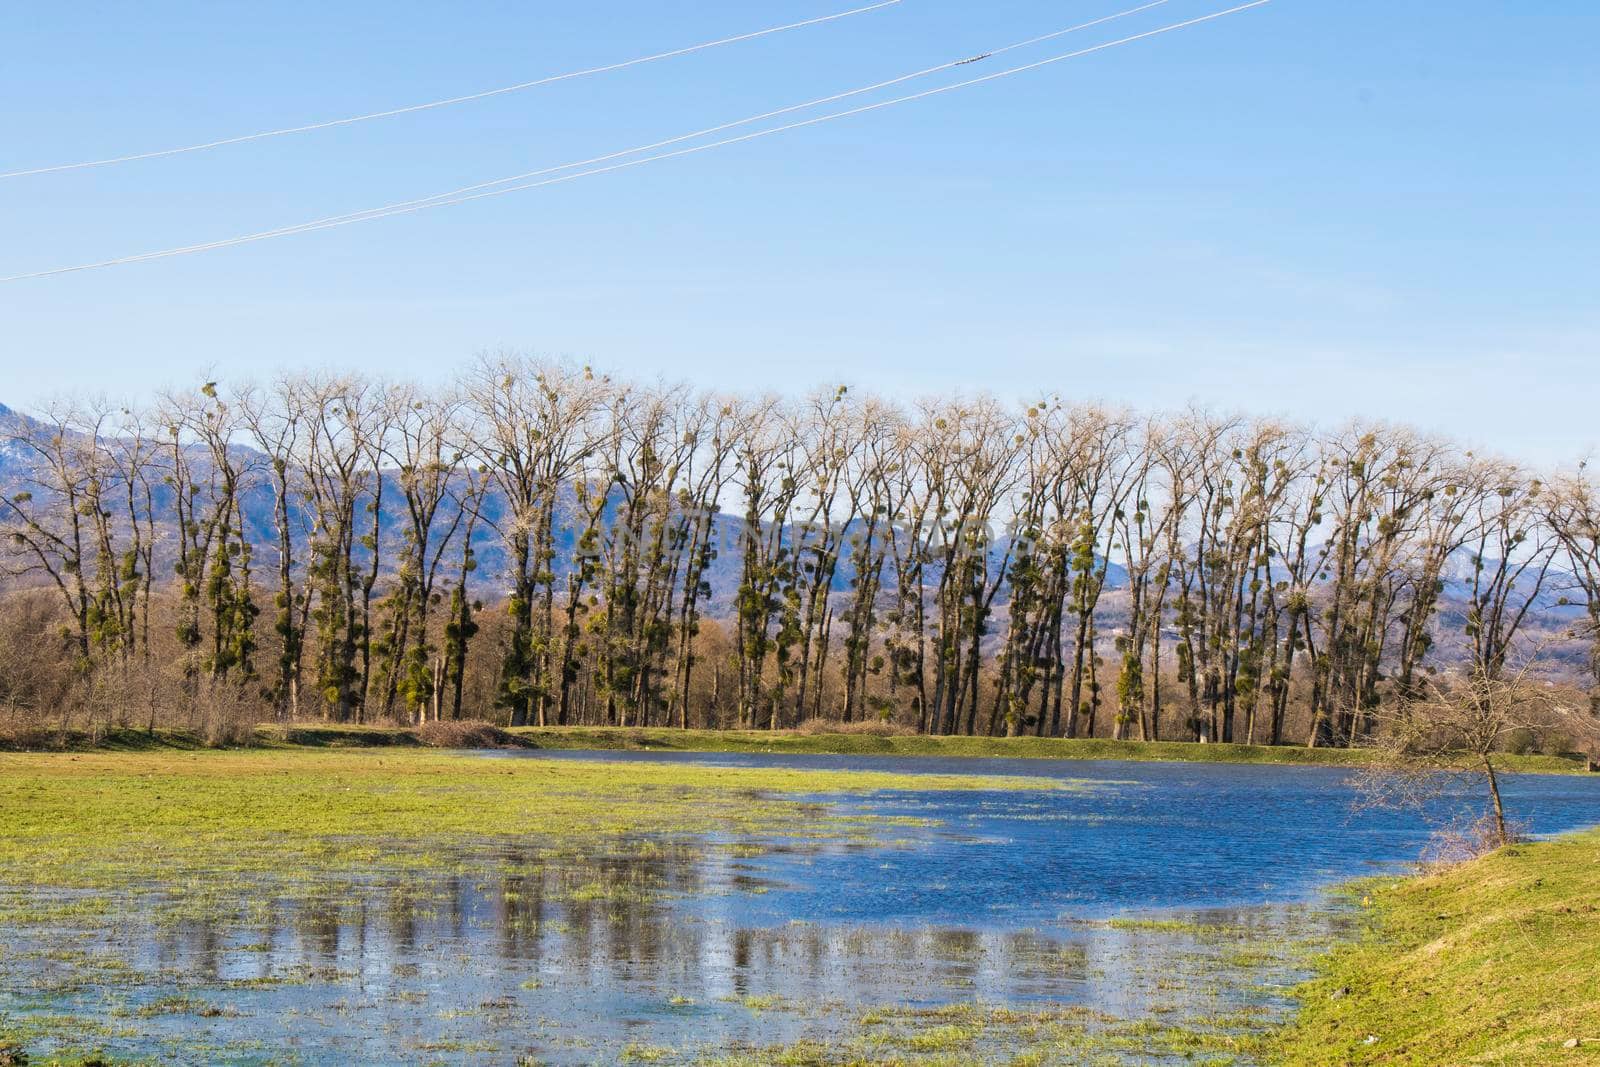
<point x="1461" y="725"/>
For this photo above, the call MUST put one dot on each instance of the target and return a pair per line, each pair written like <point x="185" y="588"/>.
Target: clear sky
<point x="1319" y="208"/>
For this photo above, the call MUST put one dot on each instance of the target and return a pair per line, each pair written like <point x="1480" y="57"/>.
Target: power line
<point x="355" y="216"/>
<point x="448" y="199"/>
<point x="430" y="105"/>
<point x="451" y="198"/>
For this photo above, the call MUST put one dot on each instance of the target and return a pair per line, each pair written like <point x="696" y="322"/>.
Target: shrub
<point x="1466" y="840"/>
<point x="33" y="739"/>
<point x="1558" y="744"/>
<point x="1522" y="742"/>
<point x="866" y="727"/>
<point x="462" y="733"/>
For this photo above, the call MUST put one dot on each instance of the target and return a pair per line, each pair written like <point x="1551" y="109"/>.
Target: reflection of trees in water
<point x="648" y="942"/>
<point x="609" y="920"/>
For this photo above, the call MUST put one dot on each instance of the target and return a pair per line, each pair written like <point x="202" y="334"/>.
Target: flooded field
<point x="1140" y="913"/>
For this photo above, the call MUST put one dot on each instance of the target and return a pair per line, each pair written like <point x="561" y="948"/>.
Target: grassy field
<point x="1493" y="962"/>
<point x="320" y="735"/>
<point x="109" y="818"/>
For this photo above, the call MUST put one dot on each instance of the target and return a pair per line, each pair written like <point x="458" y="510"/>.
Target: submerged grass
<point x="1496" y="961"/>
<point x="233" y="840"/>
<point x="975" y="1033"/>
<point x="98" y="818"/>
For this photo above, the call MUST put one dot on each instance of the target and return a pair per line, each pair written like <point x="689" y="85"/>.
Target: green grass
<point x="1493" y="962"/>
<point x="962" y="1035"/>
<point x="619" y="739"/>
<point x="94" y="818"/>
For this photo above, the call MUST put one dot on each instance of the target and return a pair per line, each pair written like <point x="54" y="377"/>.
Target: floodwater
<point x="1168" y="892"/>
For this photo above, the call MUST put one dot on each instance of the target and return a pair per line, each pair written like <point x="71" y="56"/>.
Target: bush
<point x="1558" y="744"/>
<point x="33" y="739"/>
<point x="867" y="727"/>
<point x="1466" y="840"/>
<point x="462" y="733"/>
<point x="1522" y="742"/>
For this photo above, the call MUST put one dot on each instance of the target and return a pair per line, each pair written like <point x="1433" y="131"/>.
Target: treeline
<point x="315" y="547"/>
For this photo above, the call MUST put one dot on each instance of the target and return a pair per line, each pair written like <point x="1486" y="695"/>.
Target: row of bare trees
<point x="657" y="556"/>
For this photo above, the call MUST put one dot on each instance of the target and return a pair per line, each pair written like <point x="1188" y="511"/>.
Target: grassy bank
<point x="1493" y="962"/>
<point x="789" y="741"/>
<point x="619" y="739"/>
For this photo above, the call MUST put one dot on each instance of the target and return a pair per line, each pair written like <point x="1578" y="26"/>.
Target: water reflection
<point x="1099" y="905"/>
<point x="568" y="961"/>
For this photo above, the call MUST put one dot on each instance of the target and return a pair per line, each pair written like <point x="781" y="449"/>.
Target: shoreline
<point x="1486" y="961"/>
<point x="317" y="735"/>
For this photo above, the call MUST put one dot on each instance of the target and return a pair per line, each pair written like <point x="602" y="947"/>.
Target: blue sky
<point x="1315" y="209"/>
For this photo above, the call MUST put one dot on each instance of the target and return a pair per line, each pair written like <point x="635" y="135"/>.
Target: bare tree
<point x="45" y="520"/>
<point x="343" y="418"/>
<point x="1511" y="553"/>
<point x="830" y="435"/>
<point x="208" y="475"/>
<point x="1455" y="725"/>
<point x="709" y="433"/>
<point x="970" y="463"/>
<point x="1574" y="516"/>
<point x="766" y="464"/>
<point x="275" y="420"/>
<point x="1254" y="578"/>
<point x="424" y="452"/>
<point x="467" y="490"/>
<point x="531" y="425"/>
<point x="869" y="484"/>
